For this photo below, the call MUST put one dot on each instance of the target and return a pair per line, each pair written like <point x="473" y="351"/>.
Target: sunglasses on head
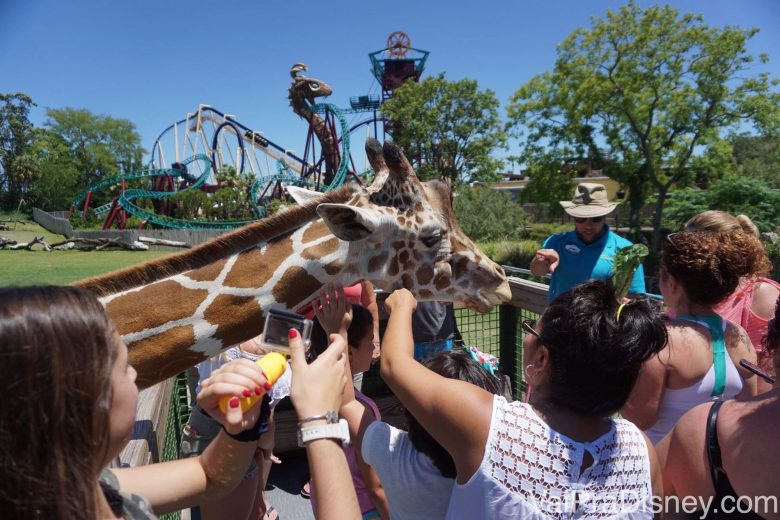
<point x="529" y="327"/>
<point x="595" y="220"/>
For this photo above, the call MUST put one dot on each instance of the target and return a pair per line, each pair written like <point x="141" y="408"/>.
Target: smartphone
<point x="277" y="325"/>
<point x="757" y="370"/>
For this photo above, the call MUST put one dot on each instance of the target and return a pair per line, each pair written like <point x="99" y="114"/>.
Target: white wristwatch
<point x="338" y="431"/>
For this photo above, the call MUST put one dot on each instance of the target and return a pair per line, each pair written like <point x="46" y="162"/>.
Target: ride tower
<point x="395" y="64"/>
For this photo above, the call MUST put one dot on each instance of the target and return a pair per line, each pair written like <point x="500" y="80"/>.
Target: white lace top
<point x="531" y="471"/>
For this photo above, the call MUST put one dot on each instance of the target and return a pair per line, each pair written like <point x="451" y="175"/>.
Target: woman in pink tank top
<point x="751" y="305"/>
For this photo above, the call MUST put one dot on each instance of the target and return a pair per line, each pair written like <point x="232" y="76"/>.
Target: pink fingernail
<point x="246" y="393"/>
<point x="234" y="402"/>
<point x="267" y="385"/>
<point x="258" y="390"/>
<point x="292" y="334"/>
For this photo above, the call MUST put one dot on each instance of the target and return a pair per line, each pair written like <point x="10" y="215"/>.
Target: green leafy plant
<point x="627" y="261"/>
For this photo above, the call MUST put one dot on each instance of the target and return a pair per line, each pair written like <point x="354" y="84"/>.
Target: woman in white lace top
<point x="561" y="455"/>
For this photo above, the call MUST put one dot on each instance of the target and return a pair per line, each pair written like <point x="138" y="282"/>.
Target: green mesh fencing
<point x="178" y="413"/>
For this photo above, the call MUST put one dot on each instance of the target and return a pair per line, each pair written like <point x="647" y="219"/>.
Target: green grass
<point x="38" y="267"/>
<point x="63" y="267"/>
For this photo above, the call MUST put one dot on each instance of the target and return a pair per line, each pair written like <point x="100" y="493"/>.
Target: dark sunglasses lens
<point x="529" y="327"/>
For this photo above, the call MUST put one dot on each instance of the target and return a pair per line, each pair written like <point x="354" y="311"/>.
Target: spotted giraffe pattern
<point x="396" y="233"/>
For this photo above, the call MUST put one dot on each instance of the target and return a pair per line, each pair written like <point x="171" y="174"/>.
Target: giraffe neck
<point x="191" y="316"/>
<point x="173" y="321"/>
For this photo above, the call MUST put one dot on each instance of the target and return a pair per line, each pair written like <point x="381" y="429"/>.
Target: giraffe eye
<point x="314" y="86"/>
<point x="431" y="240"/>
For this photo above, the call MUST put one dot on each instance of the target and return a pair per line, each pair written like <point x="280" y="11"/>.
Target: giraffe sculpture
<point x="176" y="311"/>
<point x="301" y="95"/>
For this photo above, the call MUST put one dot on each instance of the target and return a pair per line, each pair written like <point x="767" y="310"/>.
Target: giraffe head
<point x="403" y="234"/>
<point x="306" y="88"/>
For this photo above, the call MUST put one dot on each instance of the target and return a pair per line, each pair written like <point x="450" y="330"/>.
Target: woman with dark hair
<point x="701" y="360"/>
<point x="752" y="303"/>
<point x="726" y="453"/>
<point x="331" y="308"/>
<point x="69" y="409"/>
<point x="562" y="453"/>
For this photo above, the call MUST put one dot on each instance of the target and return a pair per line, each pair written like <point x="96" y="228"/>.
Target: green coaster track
<point x="284" y="175"/>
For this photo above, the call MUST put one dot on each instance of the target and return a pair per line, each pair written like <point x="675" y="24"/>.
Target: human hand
<point x="317" y="387"/>
<point x="237" y="378"/>
<point x="254" y="347"/>
<point x="333" y="311"/>
<point x="549" y="257"/>
<point x="400" y="299"/>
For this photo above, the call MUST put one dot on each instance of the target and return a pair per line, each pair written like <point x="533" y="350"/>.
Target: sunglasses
<point x="595" y="220"/>
<point x="529" y="327"/>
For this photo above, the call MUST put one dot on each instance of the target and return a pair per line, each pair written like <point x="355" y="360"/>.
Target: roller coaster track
<point x="284" y="175"/>
<point x="128" y="197"/>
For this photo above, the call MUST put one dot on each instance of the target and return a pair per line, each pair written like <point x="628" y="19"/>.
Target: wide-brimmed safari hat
<point x="590" y="200"/>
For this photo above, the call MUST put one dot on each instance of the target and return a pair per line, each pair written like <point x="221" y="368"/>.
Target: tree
<point x="102" y="146"/>
<point x="550" y="180"/>
<point x="487" y="214"/>
<point x="447" y="128"/>
<point x="17" y="167"/>
<point x="758" y="157"/>
<point x="60" y="180"/>
<point x="652" y="86"/>
<point x="732" y="194"/>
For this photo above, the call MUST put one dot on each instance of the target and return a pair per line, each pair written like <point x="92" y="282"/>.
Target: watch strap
<point x="338" y="431"/>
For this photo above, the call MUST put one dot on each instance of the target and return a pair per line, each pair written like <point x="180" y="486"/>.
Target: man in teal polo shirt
<point x="588" y="252"/>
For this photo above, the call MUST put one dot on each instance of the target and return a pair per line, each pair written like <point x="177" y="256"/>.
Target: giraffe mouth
<point x="479" y="304"/>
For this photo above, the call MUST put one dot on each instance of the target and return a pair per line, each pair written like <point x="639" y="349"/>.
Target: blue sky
<point x="153" y="61"/>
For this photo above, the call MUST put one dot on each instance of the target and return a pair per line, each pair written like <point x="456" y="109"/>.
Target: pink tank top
<point x="364" y="499"/>
<point x="738" y="309"/>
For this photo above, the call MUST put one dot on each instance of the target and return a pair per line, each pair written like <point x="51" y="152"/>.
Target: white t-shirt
<point x="414" y="487"/>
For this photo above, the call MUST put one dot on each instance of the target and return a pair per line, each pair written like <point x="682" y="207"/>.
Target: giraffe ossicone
<point x="397" y="233"/>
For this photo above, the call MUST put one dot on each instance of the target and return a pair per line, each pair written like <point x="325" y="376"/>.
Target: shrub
<point x="736" y="195"/>
<point x="486" y="214"/>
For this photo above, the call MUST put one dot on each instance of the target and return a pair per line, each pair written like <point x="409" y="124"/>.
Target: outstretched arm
<point x="171" y="486"/>
<point x="457" y="414"/>
<point x="318" y="388"/>
<point x="368" y="300"/>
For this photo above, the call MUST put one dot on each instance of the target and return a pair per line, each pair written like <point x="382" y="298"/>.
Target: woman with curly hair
<point x="752" y="304"/>
<point x="727" y="453"/>
<point x="701" y="359"/>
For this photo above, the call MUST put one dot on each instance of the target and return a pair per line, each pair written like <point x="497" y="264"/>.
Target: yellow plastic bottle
<point x="273" y="364"/>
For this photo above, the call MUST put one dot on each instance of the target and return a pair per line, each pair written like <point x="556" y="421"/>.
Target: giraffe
<point x="301" y="95"/>
<point x="398" y="232"/>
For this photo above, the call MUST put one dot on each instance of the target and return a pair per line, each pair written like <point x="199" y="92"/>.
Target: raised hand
<point x="333" y="310"/>
<point x="400" y="299"/>
<point x="237" y="378"/>
<point x="317" y="387"/>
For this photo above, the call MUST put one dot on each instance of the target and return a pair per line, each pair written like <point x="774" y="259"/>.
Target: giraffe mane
<point x="213" y="250"/>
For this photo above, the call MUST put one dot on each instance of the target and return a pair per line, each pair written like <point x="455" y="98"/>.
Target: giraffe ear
<point x="302" y="195"/>
<point x="348" y="222"/>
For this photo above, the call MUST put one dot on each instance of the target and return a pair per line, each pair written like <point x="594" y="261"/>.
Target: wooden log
<point x="29" y="245"/>
<point x="163" y="242"/>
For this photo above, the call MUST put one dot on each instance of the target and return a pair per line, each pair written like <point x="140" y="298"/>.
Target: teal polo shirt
<point x="581" y="262"/>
